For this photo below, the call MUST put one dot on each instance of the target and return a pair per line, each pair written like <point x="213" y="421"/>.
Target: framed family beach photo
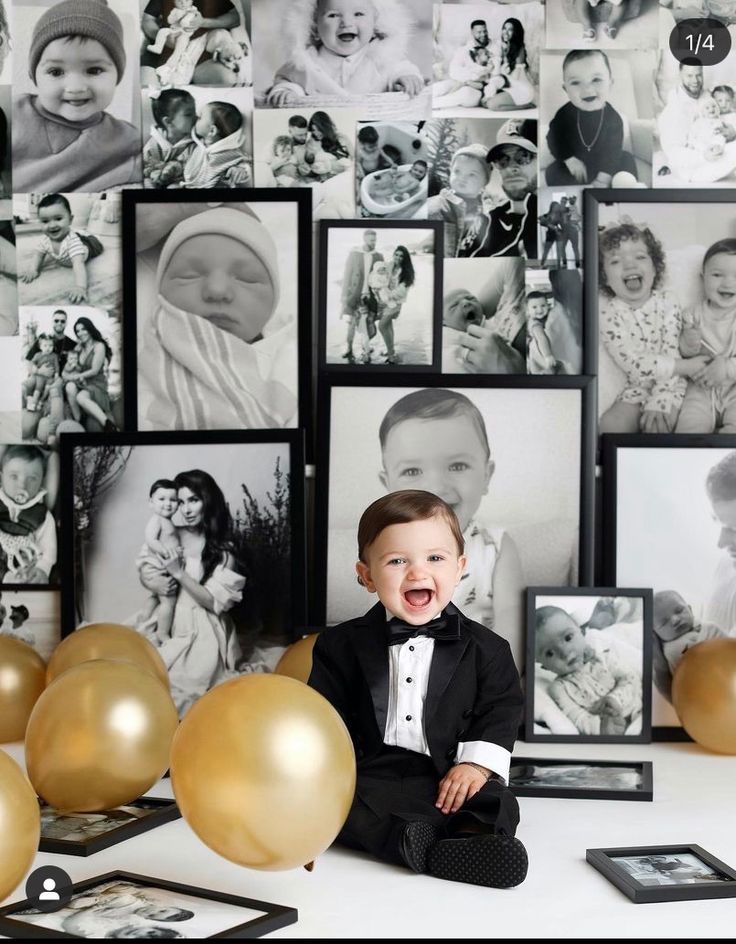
<point x="581" y="779"/>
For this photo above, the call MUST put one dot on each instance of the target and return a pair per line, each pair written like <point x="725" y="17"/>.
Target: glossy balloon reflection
<point x="704" y="694"/>
<point x="22" y="679"/>
<point x="106" y="641"/>
<point x="263" y="770"/>
<point x="99" y="736"/>
<point x="296" y="662"/>
<point x="20" y="825"/>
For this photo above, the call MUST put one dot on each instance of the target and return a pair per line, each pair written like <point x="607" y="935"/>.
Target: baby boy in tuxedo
<point x="432" y="701"/>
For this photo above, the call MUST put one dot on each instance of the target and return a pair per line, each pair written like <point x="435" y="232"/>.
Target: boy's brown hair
<point x="411" y="504"/>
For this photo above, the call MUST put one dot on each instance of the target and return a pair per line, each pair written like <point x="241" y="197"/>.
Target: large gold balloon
<point x="99" y="736"/>
<point x="296" y="662"/>
<point x="106" y="641"/>
<point x="22" y="679"/>
<point x="20" y="825"/>
<point x="704" y="694"/>
<point x="263" y="770"/>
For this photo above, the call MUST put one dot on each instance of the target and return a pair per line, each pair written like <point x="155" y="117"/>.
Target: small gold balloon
<point x="263" y="770"/>
<point x="20" y="825"/>
<point x="99" y="736"/>
<point x="296" y="662"/>
<point x="704" y="694"/>
<point x="22" y="679"/>
<point x="106" y="641"/>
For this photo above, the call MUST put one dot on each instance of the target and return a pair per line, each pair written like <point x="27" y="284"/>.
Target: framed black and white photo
<point x="217" y="303"/>
<point x="512" y="456"/>
<point x="581" y="779"/>
<point x="123" y="904"/>
<point x="84" y="834"/>
<point x="32" y="615"/>
<point x="554" y="321"/>
<point x="668" y="523"/>
<point x="665" y="873"/>
<point x="380" y="295"/>
<point x="660" y="283"/>
<point x="220" y="510"/>
<point x="591" y="650"/>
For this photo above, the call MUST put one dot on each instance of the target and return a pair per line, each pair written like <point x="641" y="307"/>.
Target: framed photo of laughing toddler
<point x="218" y="293"/>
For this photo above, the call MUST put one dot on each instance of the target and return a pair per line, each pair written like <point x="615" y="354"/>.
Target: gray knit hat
<point x="90" y="18"/>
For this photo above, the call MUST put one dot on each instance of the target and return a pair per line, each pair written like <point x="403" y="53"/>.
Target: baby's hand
<point x="282" y="98"/>
<point x="577" y="169"/>
<point x="411" y="84"/>
<point x="613" y="724"/>
<point x="29" y="275"/>
<point x="690" y="338"/>
<point x="459" y="784"/>
<point x="77" y="295"/>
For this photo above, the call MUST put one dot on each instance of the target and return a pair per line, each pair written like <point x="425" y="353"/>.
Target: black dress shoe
<point x="417" y="839"/>
<point x="487" y="859"/>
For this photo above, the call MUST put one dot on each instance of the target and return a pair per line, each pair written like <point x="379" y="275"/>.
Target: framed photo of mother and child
<point x="194" y="539"/>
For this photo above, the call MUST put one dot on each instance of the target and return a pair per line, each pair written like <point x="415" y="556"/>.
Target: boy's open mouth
<point x="347" y="36"/>
<point x="590" y="98"/>
<point x="633" y="283"/>
<point x="418" y="598"/>
<point x="725" y="295"/>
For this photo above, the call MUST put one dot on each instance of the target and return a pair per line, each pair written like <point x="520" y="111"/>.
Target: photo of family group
<point x="561" y="227"/>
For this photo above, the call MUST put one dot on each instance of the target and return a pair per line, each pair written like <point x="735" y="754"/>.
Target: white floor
<point x="351" y="896"/>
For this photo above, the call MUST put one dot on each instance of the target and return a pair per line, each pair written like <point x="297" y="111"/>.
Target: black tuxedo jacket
<point x="473" y="694"/>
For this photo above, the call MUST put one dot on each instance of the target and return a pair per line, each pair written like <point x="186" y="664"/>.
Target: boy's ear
<point x="383" y="479"/>
<point x="461" y="564"/>
<point x="364" y="576"/>
<point x="490" y="469"/>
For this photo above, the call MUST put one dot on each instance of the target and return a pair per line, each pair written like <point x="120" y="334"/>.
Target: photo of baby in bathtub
<point x="391" y="169"/>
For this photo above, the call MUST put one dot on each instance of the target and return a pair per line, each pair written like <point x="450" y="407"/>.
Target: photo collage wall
<point x="473" y="247"/>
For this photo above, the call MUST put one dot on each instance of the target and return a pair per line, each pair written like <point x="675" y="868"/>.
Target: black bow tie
<point x="444" y="629"/>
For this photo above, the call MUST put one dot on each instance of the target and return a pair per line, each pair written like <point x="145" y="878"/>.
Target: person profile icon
<point x="50" y="893"/>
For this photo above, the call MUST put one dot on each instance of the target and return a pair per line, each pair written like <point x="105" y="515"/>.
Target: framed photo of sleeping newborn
<point x="218" y="294"/>
<point x="194" y="539"/>
<point x="589" y="665"/>
<point x="660" y="293"/>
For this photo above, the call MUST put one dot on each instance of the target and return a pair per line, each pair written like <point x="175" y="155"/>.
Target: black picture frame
<point x="644" y="736"/>
<point x="301" y="277"/>
<point x="161" y="811"/>
<point x="325" y="228"/>
<point x="605" y="861"/>
<point x="273" y="917"/>
<point x="643" y="792"/>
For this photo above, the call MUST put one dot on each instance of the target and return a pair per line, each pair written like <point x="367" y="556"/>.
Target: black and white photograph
<point x="608" y="24"/>
<point x="29" y="497"/>
<point x="581" y="779"/>
<point x="217" y="304"/>
<point x="309" y="148"/>
<point x="688" y="553"/>
<point x="596" y="118"/>
<point x="196" y="138"/>
<point x="375" y="56"/>
<point x="8" y="279"/>
<point x="87" y="137"/>
<point x="31" y="616"/>
<point x="6" y="46"/>
<point x="122" y="904"/>
<point x="150" y="517"/>
<point x="661" y="283"/>
<point x="483" y="185"/>
<point x="380" y="294"/>
<point x="69" y="249"/>
<point x="487" y="58"/>
<point x="591" y="649"/>
<point x="195" y="42"/>
<point x="71" y="367"/>
<point x="511" y="456"/>
<point x="561" y="227"/>
<point x="10" y="389"/>
<point x="665" y="873"/>
<point x="84" y="834"/>
<point x="5" y="115"/>
<point x="392" y="169"/>
<point x="554" y="321"/>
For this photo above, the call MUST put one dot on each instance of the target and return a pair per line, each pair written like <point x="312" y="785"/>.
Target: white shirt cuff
<point x="492" y="756"/>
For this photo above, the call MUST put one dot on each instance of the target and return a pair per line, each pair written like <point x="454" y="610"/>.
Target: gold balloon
<point x="704" y="694"/>
<point x="20" y="825"/>
<point x="106" y="641"/>
<point x="22" y="679"/>
<point x="263" y="770"/>
<point x="99" y="736"/>
<point x="296" y="662"/>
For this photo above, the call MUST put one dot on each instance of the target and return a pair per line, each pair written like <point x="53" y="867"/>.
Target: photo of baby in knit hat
<point x="217" y="313"/>
<point x="75" y="111"/>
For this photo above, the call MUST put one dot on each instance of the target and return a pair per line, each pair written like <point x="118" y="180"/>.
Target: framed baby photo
<point x="84" y="834"/>
<point x="512" y="456"/>
<point x="32" y="615"/>
<point x="143" y="512"/>
<point x="665" y="873"/>
<point x="380" y="296"/>
<point x="124" y="904"/>
<point x="591" y="650"/>
<point x="581" y="779"/>
<point x="217" y="309"/>
<point x="660" y="273"/>
<point x="667" y="524"/>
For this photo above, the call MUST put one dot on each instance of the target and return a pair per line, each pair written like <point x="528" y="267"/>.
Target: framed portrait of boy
<point x="581" y="779"/>
<point x="194" y="539"/>
<point x="217" y="309"/>
<point x="380" y="295"/>
<point x="591" y="653"/>
<point x="512" y="456"/>
<point x="32" y="615"/>
<point x="665" y="873"/>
